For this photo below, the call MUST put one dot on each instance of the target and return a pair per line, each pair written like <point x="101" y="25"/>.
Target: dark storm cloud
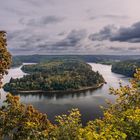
<point x="130" y="34"/>
<point x="73" y="39"/>
<point x="25" y="40"/>
<point x="104" y="34"/>
<point x="45" y="20"/>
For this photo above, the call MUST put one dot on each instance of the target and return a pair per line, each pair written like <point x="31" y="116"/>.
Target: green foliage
<point x="5" y="57"/>
<point x="68" y="126"/>
<point x="22" y="122"/>
<point x="56" y="75"/>
<point x="127" y="68"/>
<point x="16" y="62"/>
<point x="121" y="120"/>
<point x="105" y="59"/>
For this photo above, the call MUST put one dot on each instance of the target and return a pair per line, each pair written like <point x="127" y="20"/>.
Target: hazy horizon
<point x="80" y="54"/>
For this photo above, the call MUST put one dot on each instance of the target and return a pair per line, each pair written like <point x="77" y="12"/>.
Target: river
<point x="88" y="102"/>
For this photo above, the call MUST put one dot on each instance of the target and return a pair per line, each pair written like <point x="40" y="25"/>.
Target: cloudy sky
<point x="71" y="26"/>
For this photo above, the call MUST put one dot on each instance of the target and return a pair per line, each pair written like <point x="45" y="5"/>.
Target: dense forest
<point x="120" y="64"/>
<point x="56" y="75"/>
<point x="127" y="68"/>
<point x="105" y="59"/>
<point x="16" y="62"/>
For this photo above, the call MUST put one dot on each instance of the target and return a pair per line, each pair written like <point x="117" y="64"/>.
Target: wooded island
<point x="51" y="76"/>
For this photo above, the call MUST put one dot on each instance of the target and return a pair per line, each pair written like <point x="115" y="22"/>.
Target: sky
<point x="56" y="27"/>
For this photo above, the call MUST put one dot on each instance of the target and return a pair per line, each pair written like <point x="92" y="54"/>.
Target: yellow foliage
<point x="5" y="57"/>
<point x="121" y="120"/>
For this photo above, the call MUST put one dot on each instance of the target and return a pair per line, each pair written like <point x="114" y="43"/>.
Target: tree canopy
<point x="5" y="57"/>
<point x="66" y="75"/>
<point x="127" y="68"/>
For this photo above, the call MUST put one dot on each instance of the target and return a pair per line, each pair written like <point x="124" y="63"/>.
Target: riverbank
<point x="60" y="91"/>
<point x="88" y="101"/>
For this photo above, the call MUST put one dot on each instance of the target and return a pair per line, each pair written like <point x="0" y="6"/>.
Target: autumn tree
<point x="5" y="57"/>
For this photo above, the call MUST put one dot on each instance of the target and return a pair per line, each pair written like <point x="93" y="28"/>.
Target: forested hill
<point x="56" y="75"/>
<point x="107" y="59"/>
<point x="127" y="68"/>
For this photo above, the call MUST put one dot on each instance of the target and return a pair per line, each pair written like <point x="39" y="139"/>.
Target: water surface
<point x="88" y="102"/>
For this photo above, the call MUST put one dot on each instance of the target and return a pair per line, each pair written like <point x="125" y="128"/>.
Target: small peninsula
<point x="127" y="68"/>
<point x="56" y="76"/>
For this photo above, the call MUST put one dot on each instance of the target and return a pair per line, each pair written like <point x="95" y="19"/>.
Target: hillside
<point x="127" y="68"/>
<point x="107" y="59"/>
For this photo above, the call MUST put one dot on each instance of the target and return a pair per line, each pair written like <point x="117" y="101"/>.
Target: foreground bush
<point x="5" y="57"/>
<point x="121" y="120"/>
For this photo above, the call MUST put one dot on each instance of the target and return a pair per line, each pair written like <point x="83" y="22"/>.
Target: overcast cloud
<point x="71" y="26"/>
<point x="123" y="34"/>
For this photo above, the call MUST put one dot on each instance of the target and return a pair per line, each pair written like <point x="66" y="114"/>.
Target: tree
<point x="5" y="57"/>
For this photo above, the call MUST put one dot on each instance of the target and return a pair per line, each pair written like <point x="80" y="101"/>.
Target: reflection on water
<point x="88" y="102"/>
